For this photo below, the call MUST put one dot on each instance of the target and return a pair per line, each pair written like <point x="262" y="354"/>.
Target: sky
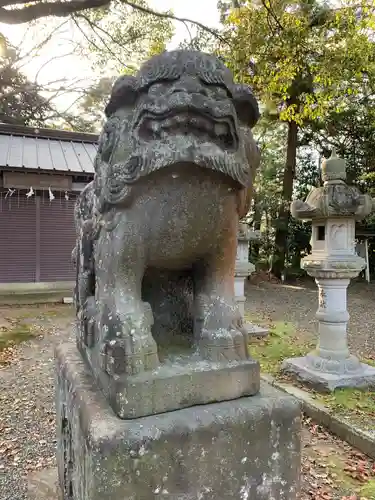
<point x="62" y="65"/>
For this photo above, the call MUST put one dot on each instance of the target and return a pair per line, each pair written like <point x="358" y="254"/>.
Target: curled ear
<point x="124" y="93"/>
<point x="246" y="105"/>
<point x="107" y="138"/>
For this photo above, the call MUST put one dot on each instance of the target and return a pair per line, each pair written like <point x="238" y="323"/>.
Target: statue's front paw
<point x="223" y="345"/>
<point x="128" y="356"/>
<point x="134" y="349"/>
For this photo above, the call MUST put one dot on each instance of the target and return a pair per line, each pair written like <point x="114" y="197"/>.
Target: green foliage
<point x="117" y="38"/>
<point x="271" y="140"/>
<point x="21" y="102"/>
<point x="302" y="58"/>
<point x="271" y="137"/>
<point x="91" y="107"/>
<point x="351" y="132"/>
<point x="312" y="64"/>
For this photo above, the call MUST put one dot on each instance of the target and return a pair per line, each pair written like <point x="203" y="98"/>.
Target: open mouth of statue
<point x="205" y="128"/>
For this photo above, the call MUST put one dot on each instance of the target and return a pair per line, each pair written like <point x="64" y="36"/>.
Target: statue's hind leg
<point x="218" y="325"/>
<point x="127" y="344"/>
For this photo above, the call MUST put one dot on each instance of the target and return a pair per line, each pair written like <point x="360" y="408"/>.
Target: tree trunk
<point x="255" y="245"/>
<point x="281" y="235"/>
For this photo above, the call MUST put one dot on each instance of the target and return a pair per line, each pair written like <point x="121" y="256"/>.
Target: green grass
<point x="351" y="399"/>
<point x="370" y="362"/>
<point x="347" y="485"/>
<point x="19" y="332"/>
<point x="368" y="490"/>
<point x="358" y="405"/>
<point x="21" y="322"/>
<point x="282" y="342"/>
<point x="46" y="311"/>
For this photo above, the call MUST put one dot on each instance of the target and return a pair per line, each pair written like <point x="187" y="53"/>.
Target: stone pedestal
<point x="243" y="270"/>
<point x="333" y="210"/>
<point x="184" y="380"/>
<point x="241" y="449"/>
<point x="331" y="365"/>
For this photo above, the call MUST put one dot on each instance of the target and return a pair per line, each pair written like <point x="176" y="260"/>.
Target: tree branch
<point x="95" y="28"/>
<point x="272" y="14"/>
<point x="38" y="9"/>
<point x="43" y="66"/>
<point x="44" y="9"/>
<point x="165" y="15"/>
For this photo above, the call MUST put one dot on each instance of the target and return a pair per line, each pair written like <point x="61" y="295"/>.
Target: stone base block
<point x="300" y="368"/>
<point x="176" y="384"/>
<point x="255" y="330"/>
<point x="241" y="449"/>
<point x="43" y="485"/>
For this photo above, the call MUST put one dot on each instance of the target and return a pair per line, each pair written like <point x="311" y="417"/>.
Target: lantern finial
<point x="334" y="168"/>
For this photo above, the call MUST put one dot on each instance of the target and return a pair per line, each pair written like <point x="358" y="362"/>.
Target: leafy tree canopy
<point x="302" y="58"/>
<point x="21" y="101"/>
<point x="117" y="38"/>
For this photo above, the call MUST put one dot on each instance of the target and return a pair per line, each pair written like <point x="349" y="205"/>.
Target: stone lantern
<point x="243" y="269"/>
<point x="333" y="210"/>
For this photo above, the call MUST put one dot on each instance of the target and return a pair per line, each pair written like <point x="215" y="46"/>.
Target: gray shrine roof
<point x="46" y="150"/>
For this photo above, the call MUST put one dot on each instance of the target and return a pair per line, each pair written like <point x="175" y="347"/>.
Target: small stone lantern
<point x="243" y="269"/>
<point x="333" y="210"/>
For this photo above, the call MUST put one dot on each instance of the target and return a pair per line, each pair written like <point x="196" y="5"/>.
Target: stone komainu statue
<point x="157" y="228"/>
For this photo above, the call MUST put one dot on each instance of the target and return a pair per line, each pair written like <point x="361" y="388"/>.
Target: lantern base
<point x="327" y="381"/>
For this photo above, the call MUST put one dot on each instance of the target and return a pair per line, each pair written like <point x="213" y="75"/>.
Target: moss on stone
<point x="355" y="404"/>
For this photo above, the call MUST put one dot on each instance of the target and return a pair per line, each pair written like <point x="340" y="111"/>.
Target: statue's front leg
<point x="127" y="344"/>
<point x="132" y="348"/>
<point x="218" y="325"/>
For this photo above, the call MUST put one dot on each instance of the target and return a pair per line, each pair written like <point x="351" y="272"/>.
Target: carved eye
<point x="246" y="105"/>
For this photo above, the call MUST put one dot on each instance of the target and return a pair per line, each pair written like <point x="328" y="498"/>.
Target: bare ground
<point x="27" y="415"/>
<point x="298" y="304"/>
